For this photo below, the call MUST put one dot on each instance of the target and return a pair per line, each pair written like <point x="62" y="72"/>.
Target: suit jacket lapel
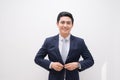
<point x="56" y="42"/>
<point x="71" y="46"/>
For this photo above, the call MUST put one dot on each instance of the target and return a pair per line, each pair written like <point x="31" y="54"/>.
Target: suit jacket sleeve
<point x="39" y="58"/>
<point x="87" y="57"/>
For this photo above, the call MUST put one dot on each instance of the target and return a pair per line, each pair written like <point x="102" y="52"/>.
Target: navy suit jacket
<point x="77" y="49"/>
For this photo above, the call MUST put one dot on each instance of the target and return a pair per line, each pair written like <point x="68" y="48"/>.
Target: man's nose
<point x="65" y="25"/>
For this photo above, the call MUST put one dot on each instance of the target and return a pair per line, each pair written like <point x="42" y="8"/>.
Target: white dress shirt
<point x="67" y="43"/>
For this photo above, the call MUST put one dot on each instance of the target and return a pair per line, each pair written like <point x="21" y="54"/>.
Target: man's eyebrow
<point x="66" y="21"/>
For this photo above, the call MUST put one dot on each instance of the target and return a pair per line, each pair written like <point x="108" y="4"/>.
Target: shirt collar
<point x="67" y="38"/>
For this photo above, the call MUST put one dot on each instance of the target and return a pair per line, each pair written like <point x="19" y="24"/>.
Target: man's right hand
<point x="57" y="66"/>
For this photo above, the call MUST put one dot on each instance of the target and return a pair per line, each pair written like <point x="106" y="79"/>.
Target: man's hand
<point x="71" y="66"/>
<point x="57" y="66"/>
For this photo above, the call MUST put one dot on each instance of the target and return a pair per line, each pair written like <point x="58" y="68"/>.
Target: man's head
<point x="67" y="14"/>
<point x="65" y="23"/>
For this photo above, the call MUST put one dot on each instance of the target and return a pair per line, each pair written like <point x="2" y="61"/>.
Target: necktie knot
<point x="64" y="40"/>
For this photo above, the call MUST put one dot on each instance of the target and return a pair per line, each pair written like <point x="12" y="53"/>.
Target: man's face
<point x="65" y="24"/>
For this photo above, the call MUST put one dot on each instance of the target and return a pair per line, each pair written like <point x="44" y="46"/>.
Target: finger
<point x="58" y="69"/>
<point x="60" y="65"/>
<point x="67" y="65"/>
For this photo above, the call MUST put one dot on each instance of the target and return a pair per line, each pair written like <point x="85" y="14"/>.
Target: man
<point x="64" y="51"/>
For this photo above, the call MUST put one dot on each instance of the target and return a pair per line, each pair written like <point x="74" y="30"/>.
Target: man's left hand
<point x="71" y="66"/>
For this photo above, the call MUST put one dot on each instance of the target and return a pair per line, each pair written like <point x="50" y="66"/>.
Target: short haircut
<point x="65" y="13"/>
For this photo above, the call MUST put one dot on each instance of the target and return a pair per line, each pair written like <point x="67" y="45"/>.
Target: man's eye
<point x="68" y="22"/>
<point x="62" y="22"/>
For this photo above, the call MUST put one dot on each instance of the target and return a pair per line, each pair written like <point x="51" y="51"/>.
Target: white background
<point x="24" y="24"/>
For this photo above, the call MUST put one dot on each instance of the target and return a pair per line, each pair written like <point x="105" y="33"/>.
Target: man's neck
<point x="65" y="35"/>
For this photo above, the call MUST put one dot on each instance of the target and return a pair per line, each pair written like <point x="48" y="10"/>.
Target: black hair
<point x="64" y="13"/>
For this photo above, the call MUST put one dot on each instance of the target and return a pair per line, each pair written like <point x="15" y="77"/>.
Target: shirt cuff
<point x="50" y="65"/>
<point x="79" y="66"/>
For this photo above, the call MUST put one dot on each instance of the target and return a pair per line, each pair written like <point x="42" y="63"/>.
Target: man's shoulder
<point x="52" y="37"/>
<point x="76" y="37"/>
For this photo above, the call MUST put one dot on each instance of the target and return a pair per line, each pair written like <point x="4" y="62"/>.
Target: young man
<point x="64" y="51"/>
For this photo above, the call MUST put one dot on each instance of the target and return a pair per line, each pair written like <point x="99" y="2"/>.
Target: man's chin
<point x="65" y="33"/>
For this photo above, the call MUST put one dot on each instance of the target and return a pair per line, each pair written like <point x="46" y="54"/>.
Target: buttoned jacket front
<point x="77" y="49"/>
